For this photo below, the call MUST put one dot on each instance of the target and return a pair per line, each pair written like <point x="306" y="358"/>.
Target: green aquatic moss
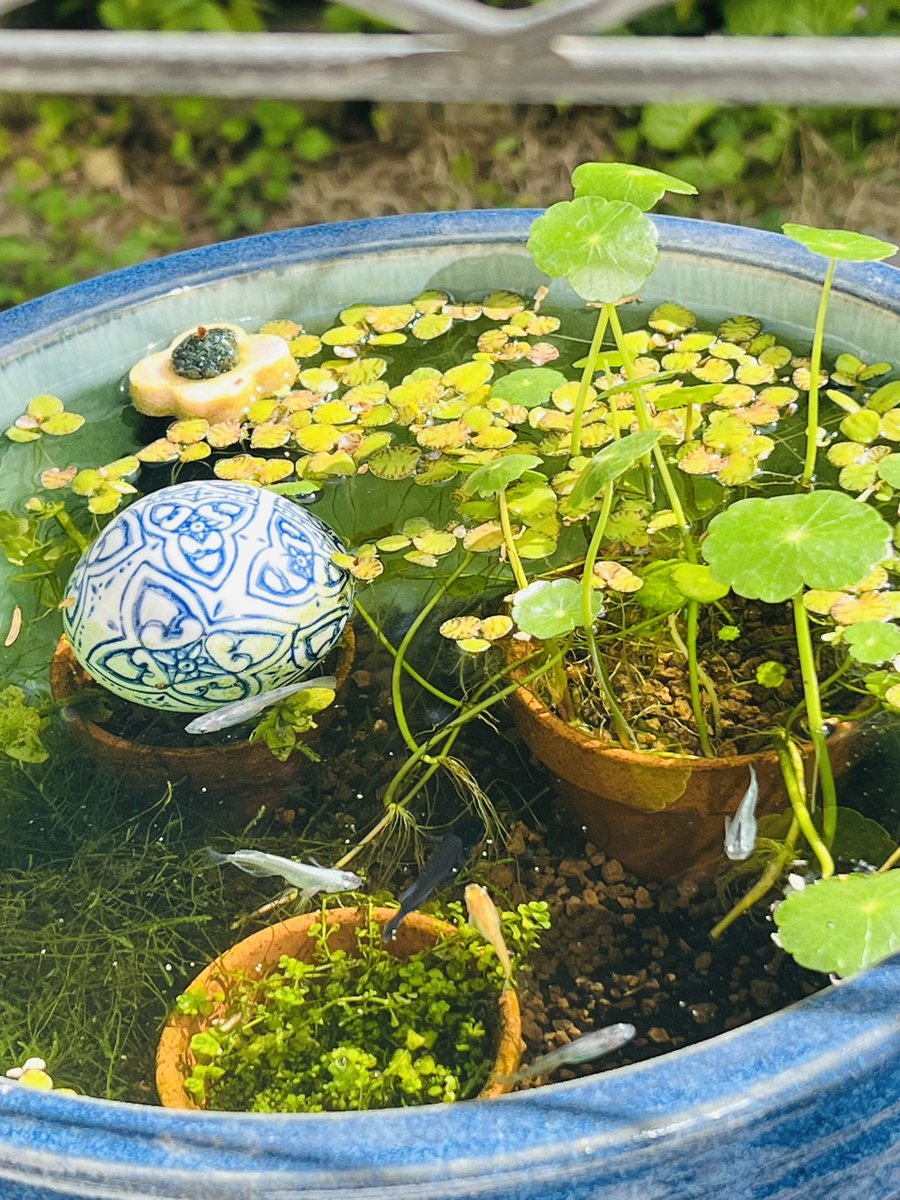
<point x="372" y="1031"/>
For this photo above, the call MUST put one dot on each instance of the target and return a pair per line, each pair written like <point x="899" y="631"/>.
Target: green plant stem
<point x="644" y="422"/>
<point x="814" y="717"/>
<point x="514" y="561"/>
<point x="763" y="885"/>
<point x="70" y="528"/>
<point x="702" y="676"/>
<point x="397" y="671"/>
<point x="794" y="781"/>
<point x="812" y="412"/>
<point x="587" y="376"/>
<point x="890" y="862"/>
<point x="620" y="724"/>
<point x="391" y="649"/>
<point x="693" y="612"/>
<point x="465" y="717"/>
<point x="449" y="734"/>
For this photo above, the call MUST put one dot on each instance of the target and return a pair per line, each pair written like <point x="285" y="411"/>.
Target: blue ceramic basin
<point x="804" y="1103"/>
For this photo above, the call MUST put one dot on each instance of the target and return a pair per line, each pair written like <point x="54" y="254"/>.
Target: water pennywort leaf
<point x="695" y="581"/>
<point x="840" y="243"/>
<point x="640" y="186"/>
<point x="550" y="608"/>
<point x="496" y="476"/>
<point x="769" y="548"/>
<point x="529" y="387"/>
<point x="606" y="249"/>
<point x="842" y="924"/>
<point x="611" y="462"/>
<point x="872" y="642"/>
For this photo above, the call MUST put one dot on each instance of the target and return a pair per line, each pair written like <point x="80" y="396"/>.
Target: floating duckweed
<point x="739" y="329"/>
<point x="671" y="318"/>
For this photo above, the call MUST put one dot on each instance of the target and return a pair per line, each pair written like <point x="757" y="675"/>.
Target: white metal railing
<point x="460" y="50"/>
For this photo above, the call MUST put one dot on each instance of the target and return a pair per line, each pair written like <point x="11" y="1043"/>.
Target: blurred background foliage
<point x="90" y="184"/>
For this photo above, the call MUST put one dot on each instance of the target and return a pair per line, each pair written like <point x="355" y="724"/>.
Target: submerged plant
<point x="361" y="1031"/>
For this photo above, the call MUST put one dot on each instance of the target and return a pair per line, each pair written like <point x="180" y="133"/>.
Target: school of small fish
<point x="740" y="830"/>
<point x="245" y="710"/>
<point x="310" y="879"/>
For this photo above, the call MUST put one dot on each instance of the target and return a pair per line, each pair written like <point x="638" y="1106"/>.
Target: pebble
<point x="612" y="871"/>
<point x="658" y="1034"/>
<point x="703" y="961"/>
<point x="642" y="898"/>
<point x="702" y="1013"/>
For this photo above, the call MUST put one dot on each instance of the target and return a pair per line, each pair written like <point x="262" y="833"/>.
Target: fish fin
<point x="307" y="894"/>
<point x="213" y="856"/>
<point x="323" y="681"/>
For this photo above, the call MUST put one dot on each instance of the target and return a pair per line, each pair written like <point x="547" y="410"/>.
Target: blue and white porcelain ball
<point x="205" y="593"/>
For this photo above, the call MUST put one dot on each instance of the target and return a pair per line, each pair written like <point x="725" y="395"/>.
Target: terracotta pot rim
<point x="664" y="759"/>
<point x="63" y="657"/>
<point x="171" y="1054"/>
<point x="650" y="758"/>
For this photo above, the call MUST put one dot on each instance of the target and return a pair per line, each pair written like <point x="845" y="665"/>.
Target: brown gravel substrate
<point x="621" y="950"/>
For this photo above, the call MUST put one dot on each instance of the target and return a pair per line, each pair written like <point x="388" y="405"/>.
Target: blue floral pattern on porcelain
<point x="205" y="593"/>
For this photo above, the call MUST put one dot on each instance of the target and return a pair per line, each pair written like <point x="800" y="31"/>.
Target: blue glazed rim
<point x="873" y="282"/>
<point x="836" y="1040"/>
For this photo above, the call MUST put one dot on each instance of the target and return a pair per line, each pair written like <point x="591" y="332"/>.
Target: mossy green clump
<point x="206" y="354"/>
<point x="348" y="1033"/>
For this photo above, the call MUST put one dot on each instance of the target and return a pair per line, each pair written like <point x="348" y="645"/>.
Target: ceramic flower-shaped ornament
<point x="212" y="371"/>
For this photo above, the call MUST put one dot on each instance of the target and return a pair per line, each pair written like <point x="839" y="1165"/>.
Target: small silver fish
<point x="740" y="830"/>
<point x="484" y="916"/>
<point x="244" y="710"/>
<point x="310" y="879"/>
<point x="584" y="1049"/>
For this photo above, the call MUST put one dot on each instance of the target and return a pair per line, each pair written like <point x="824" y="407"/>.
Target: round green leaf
<point x="771" y="674"/>
<point x="695" y="581"/>
<point x="611" y="462"/>
<point x="859" y="838"/>
<point x="530" y="387"/>
<point x="842" y="924"/>
<point x="769" y="548"/>
<point x="840" y="243"/>
<point x="659" y="593"/>
<point x="548" y="608"/>
<point x="873" y="642"/>
<point x="886" y="398"/>
<point x="607" y="249"/>
<point x="640" y="186"/>
<point x="862" y="426"/>
<point x="496" y="476"/>
<point x="44" y="406"/>
<point x="889" y="470"/>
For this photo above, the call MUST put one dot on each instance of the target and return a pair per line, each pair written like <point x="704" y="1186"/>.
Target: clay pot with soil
<point x="258" y="955"/>
<point x="241" y="772"/>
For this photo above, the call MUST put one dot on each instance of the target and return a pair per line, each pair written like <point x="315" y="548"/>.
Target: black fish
<point x="451" y="853"/>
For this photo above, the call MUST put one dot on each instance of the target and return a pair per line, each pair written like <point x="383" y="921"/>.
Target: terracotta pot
<point x="259" y="954"/>
<point x="237" y="771"/>
<point x="660" y="815"/>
